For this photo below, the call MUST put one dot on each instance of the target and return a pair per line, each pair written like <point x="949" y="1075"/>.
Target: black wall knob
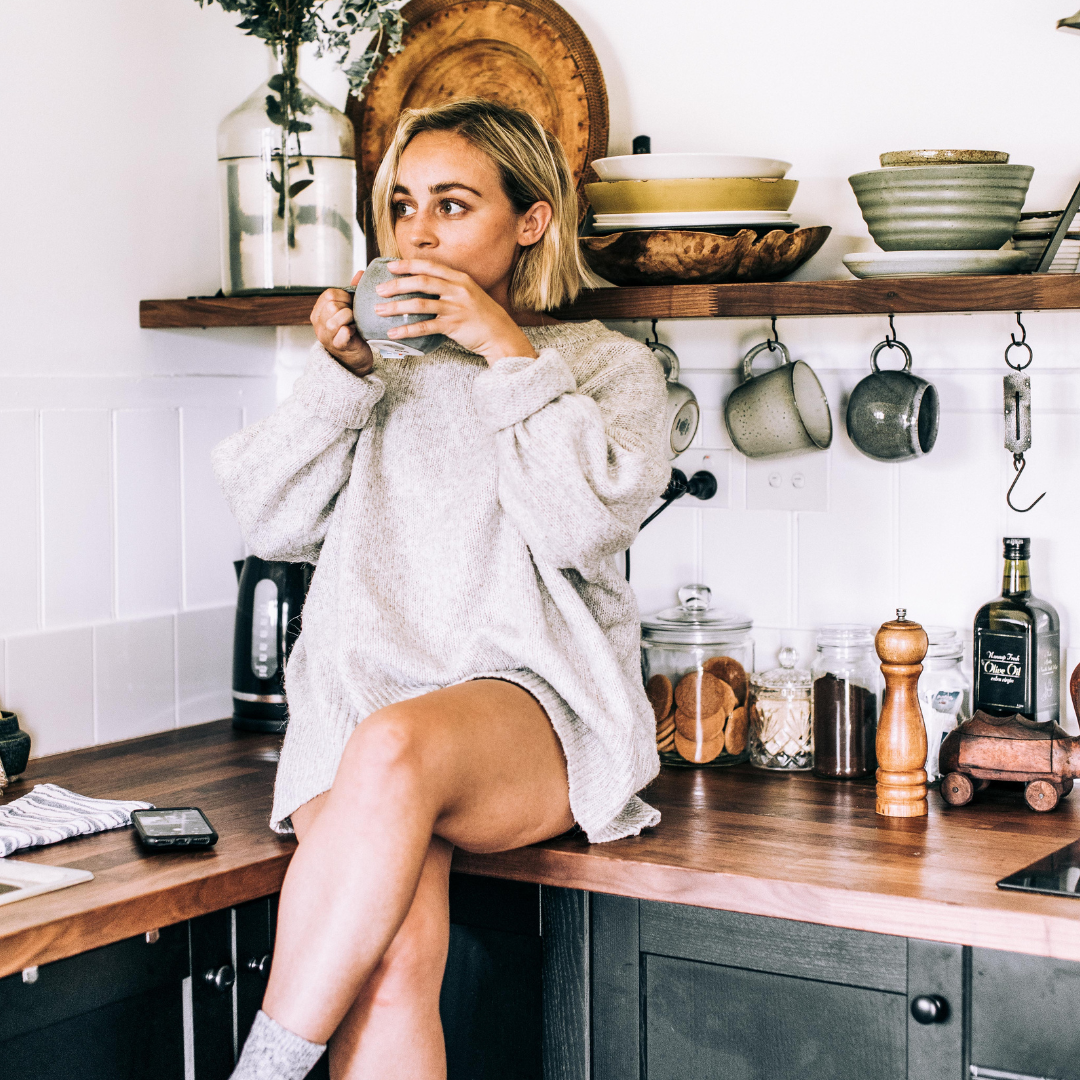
<point x="220" y="978"/>
<point x="930" y="1009"/>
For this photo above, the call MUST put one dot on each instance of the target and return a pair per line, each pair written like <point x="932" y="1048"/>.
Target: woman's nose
<point x="420" y="233"/>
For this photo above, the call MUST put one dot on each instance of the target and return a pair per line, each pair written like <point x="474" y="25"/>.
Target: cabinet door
<point x="1024" y="1015"/>
<point x="682" y="993"/>
<point x="704" y="1021"/>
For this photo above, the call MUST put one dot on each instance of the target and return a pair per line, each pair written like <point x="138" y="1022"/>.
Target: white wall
<point x="115" y="556"/>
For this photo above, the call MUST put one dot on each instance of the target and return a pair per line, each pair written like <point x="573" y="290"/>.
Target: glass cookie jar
<point x="781" y="735"/>
<point x="695" y="661"/>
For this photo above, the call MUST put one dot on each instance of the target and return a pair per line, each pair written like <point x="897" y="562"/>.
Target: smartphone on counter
<point x="166" y="828"/>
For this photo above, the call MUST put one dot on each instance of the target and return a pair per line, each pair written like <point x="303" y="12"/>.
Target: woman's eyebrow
<point x="450" y="185"/>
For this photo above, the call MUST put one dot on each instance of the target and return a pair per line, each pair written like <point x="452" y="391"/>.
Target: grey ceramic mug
<point x="374" y="329"/>
<point x="892" y="415"/>
<point x="783" y="411"/>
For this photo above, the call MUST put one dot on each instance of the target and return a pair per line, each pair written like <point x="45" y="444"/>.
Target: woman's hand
<point x="463" y="311"/>
<point x="336" y="330"/>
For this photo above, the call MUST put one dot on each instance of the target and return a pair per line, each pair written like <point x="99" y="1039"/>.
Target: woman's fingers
<point x="418" y="329"/>
<point x="420" y="283"/>
<point x="356" y="278"/>
<point x="410" y="267"/>
<point x="417" y="306"/>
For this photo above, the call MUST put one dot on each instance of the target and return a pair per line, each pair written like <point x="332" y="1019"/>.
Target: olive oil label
<point x="1001" y="670"/>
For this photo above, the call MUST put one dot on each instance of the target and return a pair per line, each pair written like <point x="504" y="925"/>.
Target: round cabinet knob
<point x="261" y="964"/>
<point x="221" y="978"/>
<point x="930" y="1009"/>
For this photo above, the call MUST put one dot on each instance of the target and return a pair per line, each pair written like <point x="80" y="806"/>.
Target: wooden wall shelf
<point x="877" y="297"/>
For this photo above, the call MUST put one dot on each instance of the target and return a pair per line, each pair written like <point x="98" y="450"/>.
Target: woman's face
<point x="449" y="206"/>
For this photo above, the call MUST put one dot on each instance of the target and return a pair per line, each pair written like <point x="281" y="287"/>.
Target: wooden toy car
<point x="1041" y="755"/>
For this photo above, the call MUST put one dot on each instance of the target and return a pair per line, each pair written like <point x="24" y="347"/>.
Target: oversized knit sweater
<point x="465" y="520"/>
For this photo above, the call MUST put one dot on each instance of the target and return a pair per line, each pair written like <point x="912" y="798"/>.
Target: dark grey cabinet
<point x="686" y="993"/>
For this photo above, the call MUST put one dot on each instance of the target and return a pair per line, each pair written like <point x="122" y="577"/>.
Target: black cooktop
<point x="1058" y="874"/>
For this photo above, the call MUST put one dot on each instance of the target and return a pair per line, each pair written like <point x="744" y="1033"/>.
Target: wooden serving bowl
<point x="685" y="257"/>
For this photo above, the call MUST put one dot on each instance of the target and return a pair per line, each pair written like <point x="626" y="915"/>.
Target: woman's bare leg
<point x="478" y="765"/>
<point x="393" y="1027"/>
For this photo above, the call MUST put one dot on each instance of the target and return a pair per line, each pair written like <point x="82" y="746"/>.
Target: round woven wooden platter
<point x="526" y="53"/>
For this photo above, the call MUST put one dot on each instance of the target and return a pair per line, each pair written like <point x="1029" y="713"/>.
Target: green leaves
<point x="295" y="189"/>
<point x="331" y="24"/>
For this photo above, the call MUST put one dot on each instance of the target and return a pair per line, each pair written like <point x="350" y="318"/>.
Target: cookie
<point x="702" y="694"/>
<point x="700" y="753"/>
<point x="658" y="691"/>
<point x="735" y="735"/>
<point x="731" y="672"/>
<point x="666" y="746"/>
<point x="707" y="727"/>
<point x="665" y="728"/>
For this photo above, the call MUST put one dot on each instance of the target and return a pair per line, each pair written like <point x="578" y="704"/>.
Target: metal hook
<point x="655" y="335"/>
<point x="775" y="339"/>
<point x="1019" y="343"/>
<point x="891" y="341"/>
<point x="1019" y="464"/>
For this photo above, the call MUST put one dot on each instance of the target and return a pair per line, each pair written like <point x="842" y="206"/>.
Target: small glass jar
<point x="695" y="660"/>
<point x="847" y="692"/>
<point x="781" y="734"/>
<point x="944" y="691"/>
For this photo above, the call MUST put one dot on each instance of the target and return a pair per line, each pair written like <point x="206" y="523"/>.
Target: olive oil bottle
<point x="1017" y="648"/>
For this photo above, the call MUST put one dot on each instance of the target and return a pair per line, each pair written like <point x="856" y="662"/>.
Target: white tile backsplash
<point x="147" y="485"/>
<point x="134" y="678"/>
<point x="20" y="510"/>
<point x="50" y="684"/>
<point x="204" y="664"/>
<point x="211" y="539"/>
<point x="77" y="534"/>
<point x="665" y="557"/>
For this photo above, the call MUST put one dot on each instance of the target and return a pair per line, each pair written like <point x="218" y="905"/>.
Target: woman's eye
<point x="451" y="208"/>
<point x="402" y="210"/>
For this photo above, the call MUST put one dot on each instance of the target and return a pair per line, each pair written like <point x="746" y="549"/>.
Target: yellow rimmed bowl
<point x="682" y="196"/>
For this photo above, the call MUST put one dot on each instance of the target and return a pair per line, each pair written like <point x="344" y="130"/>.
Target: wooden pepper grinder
<point x="901" y="733"/>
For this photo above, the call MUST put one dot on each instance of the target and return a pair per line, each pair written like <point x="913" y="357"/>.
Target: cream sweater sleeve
<point x="579" y="465"/>
<point x="283" y="475"/>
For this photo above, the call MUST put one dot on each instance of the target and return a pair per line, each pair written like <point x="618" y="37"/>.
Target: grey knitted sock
<point x="272" y="1052"/>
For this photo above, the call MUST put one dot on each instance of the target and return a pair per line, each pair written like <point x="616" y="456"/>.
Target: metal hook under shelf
<point x="775" y="339"/>
<point x="1019" y="464"/>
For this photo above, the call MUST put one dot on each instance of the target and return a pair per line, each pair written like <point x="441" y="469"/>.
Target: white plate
<point x="876" y="264"/>
<point x="18" y="880"/>
<point x="681" y="219"/>
<point x="686" y="167"/>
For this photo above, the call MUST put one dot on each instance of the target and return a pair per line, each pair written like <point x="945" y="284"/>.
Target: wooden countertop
<point x="785" y="845"/>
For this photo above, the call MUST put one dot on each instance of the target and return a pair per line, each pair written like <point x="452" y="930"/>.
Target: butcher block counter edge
<point x="230" y="776"/>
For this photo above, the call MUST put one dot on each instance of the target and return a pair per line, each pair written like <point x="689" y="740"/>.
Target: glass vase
<point x="287" y="215"/>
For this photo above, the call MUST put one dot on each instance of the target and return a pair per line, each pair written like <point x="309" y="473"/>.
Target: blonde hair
<point x="533" y="168"/>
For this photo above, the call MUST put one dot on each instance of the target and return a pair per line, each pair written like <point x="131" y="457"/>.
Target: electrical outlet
<point x="718" y="462"/>
<point x="795" y="483"/>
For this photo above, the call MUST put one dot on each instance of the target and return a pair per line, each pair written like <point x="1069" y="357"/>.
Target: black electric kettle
<point x="268" y="611"/>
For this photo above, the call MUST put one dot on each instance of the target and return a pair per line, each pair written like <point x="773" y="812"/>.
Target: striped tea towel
<point x="51" y="813"/>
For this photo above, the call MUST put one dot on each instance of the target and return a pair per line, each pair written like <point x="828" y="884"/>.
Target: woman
<point x="468" y="670"/>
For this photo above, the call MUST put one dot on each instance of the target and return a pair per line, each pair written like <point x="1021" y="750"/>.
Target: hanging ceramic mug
<point x="683" y="413"/>
<point x="783" y="411"/>
<point x="892" y="415"/>
<point x="374" y="329"/>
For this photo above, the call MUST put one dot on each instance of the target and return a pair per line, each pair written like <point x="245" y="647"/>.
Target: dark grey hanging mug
<point x="780" y="412"/>
<point x="892" y="415"/>
<point x="374" y="329"/>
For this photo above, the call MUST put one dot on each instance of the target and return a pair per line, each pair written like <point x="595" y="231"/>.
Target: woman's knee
<point x="389" y="747"/>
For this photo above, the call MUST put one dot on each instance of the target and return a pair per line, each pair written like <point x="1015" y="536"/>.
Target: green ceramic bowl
<point x="942" y="207"/>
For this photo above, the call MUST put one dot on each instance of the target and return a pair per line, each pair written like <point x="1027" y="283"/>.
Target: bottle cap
<point x="1017" y="547"/>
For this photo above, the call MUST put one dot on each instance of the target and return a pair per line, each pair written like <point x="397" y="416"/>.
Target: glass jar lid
<point x="844" y="636"/>
<point x="787" y="676"/>
<point x="695" y="621"/>
<point x="945" y="643"/>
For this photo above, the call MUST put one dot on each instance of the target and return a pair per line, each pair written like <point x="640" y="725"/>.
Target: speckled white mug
<point x="374" y="329"/>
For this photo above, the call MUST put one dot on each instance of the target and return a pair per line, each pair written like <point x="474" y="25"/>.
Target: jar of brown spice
<point x="847" y="691"/>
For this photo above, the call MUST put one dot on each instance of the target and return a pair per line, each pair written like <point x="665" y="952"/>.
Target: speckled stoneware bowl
<point x="374" y="329"/>
<point x="942" y="207"/>
<point x="943" y="157"/>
